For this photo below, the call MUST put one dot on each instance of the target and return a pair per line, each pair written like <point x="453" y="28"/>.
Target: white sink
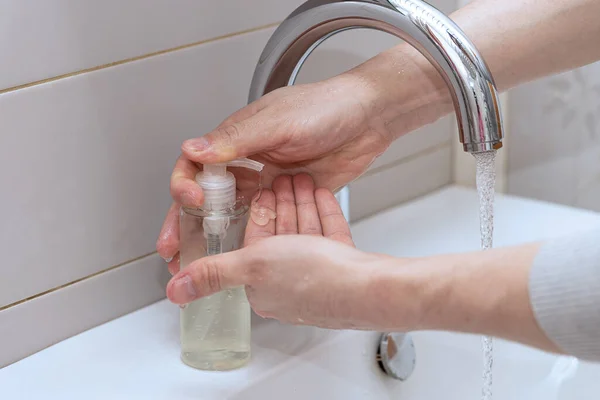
<point x="137" y="356"/>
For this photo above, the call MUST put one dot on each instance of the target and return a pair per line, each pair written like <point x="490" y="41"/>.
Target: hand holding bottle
<point x="329" y="129"/>
<point x="300" y="268"/>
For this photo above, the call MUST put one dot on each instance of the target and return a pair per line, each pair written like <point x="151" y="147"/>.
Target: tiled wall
<point x="553" y="147"/>
<point x="554" y="153"/>
<point x="95" y="99"/>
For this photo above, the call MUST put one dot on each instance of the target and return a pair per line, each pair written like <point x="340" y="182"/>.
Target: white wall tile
<point x="100" y="146"/>
<point x="405" y="181"/>
<point x="416" y="141"/>
<point x="86" y="161"/>
<point x="554" y="154"/>
<point x="56" y="37"/>
<point x="52" y="37"/>
<point x="36" y="324"/>
<point x="344" y="51"/>
<point x="588" y="182"/>
<point x="550" y="180"/>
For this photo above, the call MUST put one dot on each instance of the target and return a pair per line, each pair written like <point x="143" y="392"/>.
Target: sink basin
<point x="137" y="356"/>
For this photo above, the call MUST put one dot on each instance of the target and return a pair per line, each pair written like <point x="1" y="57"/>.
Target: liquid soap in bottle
<point x="215" y="330"/>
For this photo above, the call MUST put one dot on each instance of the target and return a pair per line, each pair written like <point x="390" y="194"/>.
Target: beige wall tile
<point x="414" y="177"/>
<point x="554" y="151"/>
<point x="55" y="37"/>
<point x="36" y="324"/>
<point x="87" y="160"/>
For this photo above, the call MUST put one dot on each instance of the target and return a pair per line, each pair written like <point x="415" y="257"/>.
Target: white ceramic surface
<point x="136" y="356"/>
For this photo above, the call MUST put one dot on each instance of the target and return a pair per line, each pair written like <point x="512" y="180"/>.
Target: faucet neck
<point x="434" y="35"/>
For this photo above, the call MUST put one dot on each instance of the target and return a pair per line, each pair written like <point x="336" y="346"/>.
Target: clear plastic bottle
<point x="215" y="330"/>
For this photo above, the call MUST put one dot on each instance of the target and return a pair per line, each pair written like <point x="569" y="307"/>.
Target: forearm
<point x="544" y="295"/>
<point x="483" y="293"/>
<point x="520" y="41"/>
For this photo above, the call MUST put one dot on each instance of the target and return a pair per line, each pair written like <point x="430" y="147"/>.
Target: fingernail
<point x="183" y="290"/>
<point x="197" y="145"/>
<point x="189" y="199"/>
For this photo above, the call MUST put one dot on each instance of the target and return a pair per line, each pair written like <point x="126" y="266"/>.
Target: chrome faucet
<point x="471" y="85"/>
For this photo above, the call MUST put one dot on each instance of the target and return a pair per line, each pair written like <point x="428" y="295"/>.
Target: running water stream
<point x="486" y="180"/>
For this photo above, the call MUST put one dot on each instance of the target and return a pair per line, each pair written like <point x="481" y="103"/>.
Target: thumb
<point x="207" y="276"/>
<point x="233" y="140"/>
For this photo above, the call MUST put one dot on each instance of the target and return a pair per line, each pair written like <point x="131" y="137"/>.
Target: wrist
<point x="404" y="90"/>
<point x="394" y="295"/>
<point x="485" y="292"/>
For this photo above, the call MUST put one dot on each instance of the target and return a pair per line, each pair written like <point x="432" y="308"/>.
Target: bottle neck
<point x="238" y="209"/>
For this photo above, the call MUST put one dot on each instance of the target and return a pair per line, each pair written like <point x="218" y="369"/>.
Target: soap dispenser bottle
<point x="215" y="330"/>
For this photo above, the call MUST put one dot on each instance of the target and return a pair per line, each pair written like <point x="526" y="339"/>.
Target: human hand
<point x="315" y="278"/>
<point x="330" y="129"/>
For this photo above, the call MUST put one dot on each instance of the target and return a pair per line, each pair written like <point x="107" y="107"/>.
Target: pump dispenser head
<point x="219" y="185"/>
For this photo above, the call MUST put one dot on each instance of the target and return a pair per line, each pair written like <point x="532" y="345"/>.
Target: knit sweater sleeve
<point x="564" y="288"/>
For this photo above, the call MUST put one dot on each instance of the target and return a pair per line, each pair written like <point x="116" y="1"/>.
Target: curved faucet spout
<point x="473" y="90"/>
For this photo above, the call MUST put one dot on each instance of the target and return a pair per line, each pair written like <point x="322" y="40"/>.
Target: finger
<point x="174" y="264"/>
<point x="286" y="222"/>
<point x="334" y="224"/>
<point x="207" y="276"/>
<point x="306" y="208"/>
<point x="238" y="139"/>
<point x="184" y="188"/>
<point x="167" y="244"/>
<point x="256" y="231"/>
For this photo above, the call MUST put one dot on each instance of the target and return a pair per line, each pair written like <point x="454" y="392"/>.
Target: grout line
<point x="401" y="161"/>
<point x="407" y="159"/>
<point x="404" y="160"/>
<point x="114" y="267"/>
<point x="137" y="58"/>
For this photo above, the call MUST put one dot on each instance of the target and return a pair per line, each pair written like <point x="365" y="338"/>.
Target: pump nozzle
<point x="246" y="163"/>
<point x="218" y="186"/>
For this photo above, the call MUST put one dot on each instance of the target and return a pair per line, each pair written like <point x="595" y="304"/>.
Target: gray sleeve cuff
<point x="564" y="288"/>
